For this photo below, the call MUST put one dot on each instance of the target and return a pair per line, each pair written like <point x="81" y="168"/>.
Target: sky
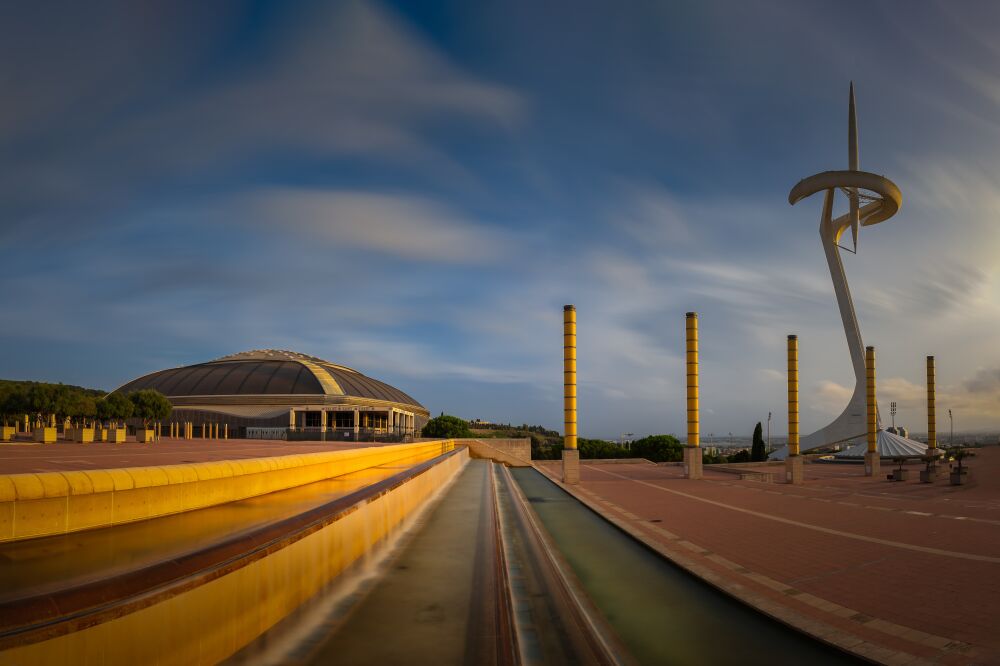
<point x="416" y="189"/>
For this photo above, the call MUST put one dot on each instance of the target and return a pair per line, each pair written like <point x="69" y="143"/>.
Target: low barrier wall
<point x="513" y="452"/>
<point x="234" y="592"/>
<point x="34" y="505"/>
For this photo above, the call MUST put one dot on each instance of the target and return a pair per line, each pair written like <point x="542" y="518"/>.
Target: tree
<point x="740" y="456"/>
<point x="80" y="406"/>
<point x="759" y="450"/>
<point x="446" y="427"/>
<point x="658" y="448"/>
<point x="150" y="405"/>
<point x="13" y="402"/>
<point x="114" y="407"/>
<point x="599" y="448"/>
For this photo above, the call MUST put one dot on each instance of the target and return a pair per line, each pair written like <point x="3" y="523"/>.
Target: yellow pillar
<point x="693" y="432"/>
<point x="692" y="452"/>
<point x="870" y="399"/>
<point x="225" y="431"/>
<point x="872" y="459"/>
<point x="793" y="395"/>
<point x="569" y="376"/>
<point x="571" y="456"/>
<point x="217" y="430"/>
<point x="793" y="462"/>
<point x="931" y="416"/>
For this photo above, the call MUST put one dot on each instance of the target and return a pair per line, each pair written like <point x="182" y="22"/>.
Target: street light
<point x="769" y="432"/>
<point x="952" y="422"/>
<point x="892" y="410"/>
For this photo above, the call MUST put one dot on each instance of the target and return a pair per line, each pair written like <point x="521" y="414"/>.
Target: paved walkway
<point x="64" y="456"/>
<point x="901" y="572"/>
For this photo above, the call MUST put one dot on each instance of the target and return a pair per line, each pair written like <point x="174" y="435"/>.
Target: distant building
<point x="306" y="396"/>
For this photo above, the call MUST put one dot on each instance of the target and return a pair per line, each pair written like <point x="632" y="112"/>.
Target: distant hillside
<point x="10" y="385"/>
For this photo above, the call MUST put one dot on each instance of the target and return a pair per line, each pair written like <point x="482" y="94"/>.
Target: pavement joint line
<point x="826" y="530"/>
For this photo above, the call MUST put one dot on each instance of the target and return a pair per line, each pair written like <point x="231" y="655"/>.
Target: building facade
<point x="275" y="393"/>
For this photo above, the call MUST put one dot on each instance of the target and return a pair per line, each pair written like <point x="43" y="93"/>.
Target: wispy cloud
<point x="404" y="226"/>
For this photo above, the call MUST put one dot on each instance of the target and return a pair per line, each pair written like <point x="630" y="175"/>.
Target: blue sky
<point x="415" y="190"/>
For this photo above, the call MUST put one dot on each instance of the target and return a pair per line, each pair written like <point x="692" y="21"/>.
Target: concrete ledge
<point x="35" y="505"/>
<point x="204" y="607"/>
<point x="512" y="452"/>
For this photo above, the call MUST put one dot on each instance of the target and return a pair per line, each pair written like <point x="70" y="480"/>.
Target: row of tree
<point x="43" y="401"/>
<point x="547" y="444"/>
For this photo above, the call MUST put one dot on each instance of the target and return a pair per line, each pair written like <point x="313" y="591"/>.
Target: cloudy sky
<point x="415" y="190"/>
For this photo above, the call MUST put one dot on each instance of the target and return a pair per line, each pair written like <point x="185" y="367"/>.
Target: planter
<point x="83" y="435"/>
<point x="100" y="434"/>
<point x="116" y="435"/>
<point x="45" y="435"/>
<point x="145" y="435"/>
<point x="957" y="476"/>
<point x="901" y="475"/>
<point x="6" y="433"/>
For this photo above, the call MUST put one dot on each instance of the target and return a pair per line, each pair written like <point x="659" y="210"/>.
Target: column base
<point x="692" y="462"/>
<point x="793" y="470"/>
<point x="873" y="463"/>
<point x="571" y="466"/>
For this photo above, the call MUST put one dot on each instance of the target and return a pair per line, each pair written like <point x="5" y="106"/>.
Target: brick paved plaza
<point x="65" y="456"/>
<point x="903" y="572"/>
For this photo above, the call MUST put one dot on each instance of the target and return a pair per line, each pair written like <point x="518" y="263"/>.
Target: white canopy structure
<point x="889" y="446"/>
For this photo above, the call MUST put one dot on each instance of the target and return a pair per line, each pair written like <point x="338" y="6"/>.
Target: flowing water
<point x="662" y="614"/>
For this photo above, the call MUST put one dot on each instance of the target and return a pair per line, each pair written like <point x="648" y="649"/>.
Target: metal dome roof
<point x="267" y="372"/>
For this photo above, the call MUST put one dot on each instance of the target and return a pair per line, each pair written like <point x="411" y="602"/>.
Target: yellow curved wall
<point x="211" y="621"/>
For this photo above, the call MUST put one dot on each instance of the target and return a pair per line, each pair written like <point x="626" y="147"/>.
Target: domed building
<point x="269" y="392"/>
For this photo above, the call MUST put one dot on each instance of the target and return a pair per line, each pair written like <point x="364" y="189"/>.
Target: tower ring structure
<point x="873" y="199"/>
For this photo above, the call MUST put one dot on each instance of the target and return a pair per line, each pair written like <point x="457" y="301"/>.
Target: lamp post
<point x="892" y="410"/>
<point x="769" y="432"/>
<point x="951" y="421"/>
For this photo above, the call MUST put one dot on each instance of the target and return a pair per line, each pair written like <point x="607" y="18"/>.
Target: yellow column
<point x="793" y="395"/>
<point x="569" y="376"/>
<point x="692" y="452"/>
<point x="570" y="454"/>
<point x="225" y="431"/>
<point x="870" y="399"/>
<point x="872" y="458"/>
<point x="693" y="434"/>
<point x="931" y="416"/>
<point x="793" y="462"/>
